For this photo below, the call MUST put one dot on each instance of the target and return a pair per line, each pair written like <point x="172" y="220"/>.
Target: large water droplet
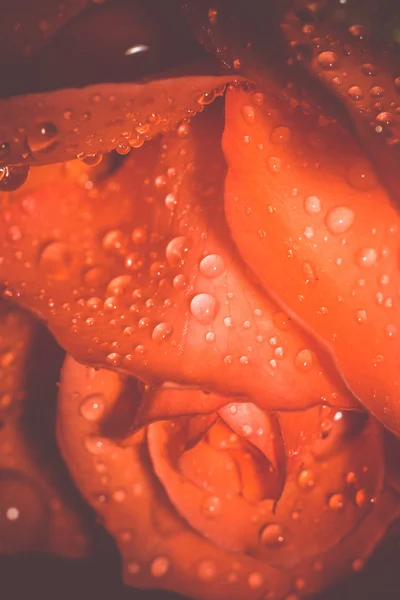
<point x="212" y="266"/>
<point x="204" y="308"/>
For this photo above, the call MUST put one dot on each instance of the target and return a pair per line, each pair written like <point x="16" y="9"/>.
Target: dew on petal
<point x="204" y="308"/>
<point x="339" y="219"/>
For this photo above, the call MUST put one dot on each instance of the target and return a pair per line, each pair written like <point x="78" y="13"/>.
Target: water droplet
<point x="212" y="266"/>
<point x="336" y="502"/>
<point x="272" y="536"/>
<point x="91" y="160"/>
<point x="115" y="241"/>
<point x="170" y="201"/>
<point x="134" y="261"/>
<point x="204" y="308"/>
<point x="312" y="205"/>
<point x="113" y="359"/>
<point x="207" y="570"/>
<point x="369" y="69"/>
<point x="366" y="257"/>
<point x="13" y="177"/>
<point x="98" y="445"/>
<point x="248" y="114"/>
<point x="179" y="282"/>
<point x="139" y="236"/>
<point x="361" y="498"/>
<point x="304" y="360"/>
<point x="56" y="260"/>
<point x="162" y="332"/>
<point x="95" y="277"/>
<point x="384" y="118"/>
<point x="118" y="495"/>
<point x="377" y="91"/>
<point x="14" y="234"/>
<point x="355" y="93"/>
<point x="4" y="150"/>
<point x="328" y="60"/>
<point x="339" y="219"/>
<point x="211" y="506"/>
<point x="358" y="565"/>
<point x="274" y="164"/>
<point x="306" y="480"/>
<point x="42" y="137"/>
<point x="255" y="580"/>
<point x="361" y="316"/>
<point x="160" y="566"/>
<point x="133" y="567"/>
<point x="177" y="251"/>
<point x="92" y="408"/>
<point x="391" y="331"/>
<point x="157" y="270"/>
<point x="309" y="273"/>
<point x="280" y="135"/>
<point x="206" y="98"/>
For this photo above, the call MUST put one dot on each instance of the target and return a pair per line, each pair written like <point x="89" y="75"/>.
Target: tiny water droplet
<point x="211" y="506"/>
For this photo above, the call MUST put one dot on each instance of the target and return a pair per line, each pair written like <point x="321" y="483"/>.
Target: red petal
<point x="160" y="550"/>
<point x="126" y="278"/>
<point x="37" y="511"/>
<point x="320" y="218"/>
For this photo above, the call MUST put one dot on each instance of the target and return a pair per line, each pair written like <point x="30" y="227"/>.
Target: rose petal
<point x="320" y="217"/>
<point x="138" y="272"/>
<point x="159" y="549"/>
<point x="38" y="513"/>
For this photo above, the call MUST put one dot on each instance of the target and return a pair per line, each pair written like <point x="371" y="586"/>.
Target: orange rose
<point x="230" y="285"/>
